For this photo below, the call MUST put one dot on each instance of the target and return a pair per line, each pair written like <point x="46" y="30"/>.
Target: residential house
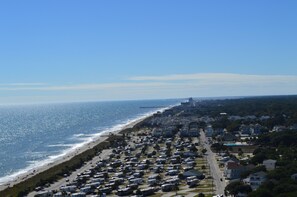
<point x="191" y="130"/>
<point x="157" y="132"/>
<point x="262" y="118"/>
<point x="294" y="177"/>
<point x="234" y="118"/>
<point x="209" y="131"/>
<point x="219" y="131"/>
<point x="255" y="180"/>
<point x="245" y="129"/>
<point x="168" y="112"/>
<point x="250" y="117"/>
<point x="189" y="133"/>
<point x="269" y="164"/>
<point x="229" y="138"/>
<point x="279" y="128"/>
<point x="256" y="129"/>
<point x="293" y="127"/>
<point x="233" y="170"/>
<point x="166" y="132"/>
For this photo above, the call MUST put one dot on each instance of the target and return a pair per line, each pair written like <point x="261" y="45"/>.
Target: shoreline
<point x="98" y="142"/>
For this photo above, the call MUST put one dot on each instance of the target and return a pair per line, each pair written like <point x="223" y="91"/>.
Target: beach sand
<point x="102" y="138"/>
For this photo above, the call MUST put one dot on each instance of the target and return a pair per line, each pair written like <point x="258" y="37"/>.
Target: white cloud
<point x="199" y="80"/>
<point x="21" y="84"/>
<point x="83" y="86"/>
<point x="145" y="87"/>
<point x="218" y="77"/>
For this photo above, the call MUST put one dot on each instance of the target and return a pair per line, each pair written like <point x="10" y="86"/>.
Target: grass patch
<point x="157" y="195"/>
<point x="56" y="172"/>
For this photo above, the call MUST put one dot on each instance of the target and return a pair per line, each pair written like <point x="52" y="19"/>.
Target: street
<point x="214" y="168"/>
<point x="62" y="182"/>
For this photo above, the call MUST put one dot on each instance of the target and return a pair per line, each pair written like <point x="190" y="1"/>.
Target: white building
<point x="269" y="164"/>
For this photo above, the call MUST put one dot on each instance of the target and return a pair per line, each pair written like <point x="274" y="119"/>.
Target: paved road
<point x="55" y="186"/>
<point x="214" y="168"/>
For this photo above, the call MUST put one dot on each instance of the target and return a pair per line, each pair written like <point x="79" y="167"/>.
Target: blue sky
<point x="57" y="51"/>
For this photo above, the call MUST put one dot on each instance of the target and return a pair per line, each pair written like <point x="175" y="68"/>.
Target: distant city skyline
<point x="127" y="50"/>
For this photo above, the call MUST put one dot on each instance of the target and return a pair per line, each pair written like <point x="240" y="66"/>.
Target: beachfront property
<point x="162" y="155"/>
<point x="153" y="158"/>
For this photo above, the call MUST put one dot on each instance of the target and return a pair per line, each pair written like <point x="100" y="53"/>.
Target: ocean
<point x="35" y="135"/>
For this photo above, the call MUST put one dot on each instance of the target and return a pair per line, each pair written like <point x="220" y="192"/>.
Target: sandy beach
<point x="101" y="138"/>
<point x="136" y="159"/>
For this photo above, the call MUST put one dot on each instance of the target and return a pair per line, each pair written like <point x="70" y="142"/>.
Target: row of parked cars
<point x="137" y="169"/>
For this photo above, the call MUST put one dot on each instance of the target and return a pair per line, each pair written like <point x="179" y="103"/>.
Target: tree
<point x="258" y="158"/>
<point x="234" y="126"/>
<point x="138" y="192"/>
<point x="217" y="147"/>
<point x="157" y="147"/>
<point x="237" y="187"/>
<point x="244" y="189"/>
<point x="261" y="193"/>
<point x="201" y="195"/>
<point x="240" y="152"/>
<point x="204" y="151"/>
<point x="194" y="149"/>
<point x="231" y="188"/>
<point x="180" y="176"/>
<point x="254" y="170"/>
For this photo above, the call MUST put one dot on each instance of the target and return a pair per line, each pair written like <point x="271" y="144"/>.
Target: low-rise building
<point x="164" y="132"/>
<point x="233" y="170"/>
<point x="209" y="131"/>
<point x="229" y="138"/>
<point x="255" y="180"/>
<point x="269" y="164"/>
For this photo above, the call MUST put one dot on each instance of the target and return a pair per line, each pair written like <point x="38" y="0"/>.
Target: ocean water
<point x="34" y="135"/>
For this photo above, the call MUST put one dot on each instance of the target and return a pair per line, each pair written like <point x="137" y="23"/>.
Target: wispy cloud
<point x="170" y="82"/>
<point x="21" y="84"/>
<point x="82" y="86"/>
<point x="143" y="87"/>
<point x="217" y="77"/>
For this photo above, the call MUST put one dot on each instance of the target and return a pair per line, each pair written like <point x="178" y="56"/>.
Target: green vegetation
<point x="237" y="187"/>
<point x="281" y="109"/>
<point x="204" y="151"/>
<point x="55" y="173"/>
<point x="282" y="147"/>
